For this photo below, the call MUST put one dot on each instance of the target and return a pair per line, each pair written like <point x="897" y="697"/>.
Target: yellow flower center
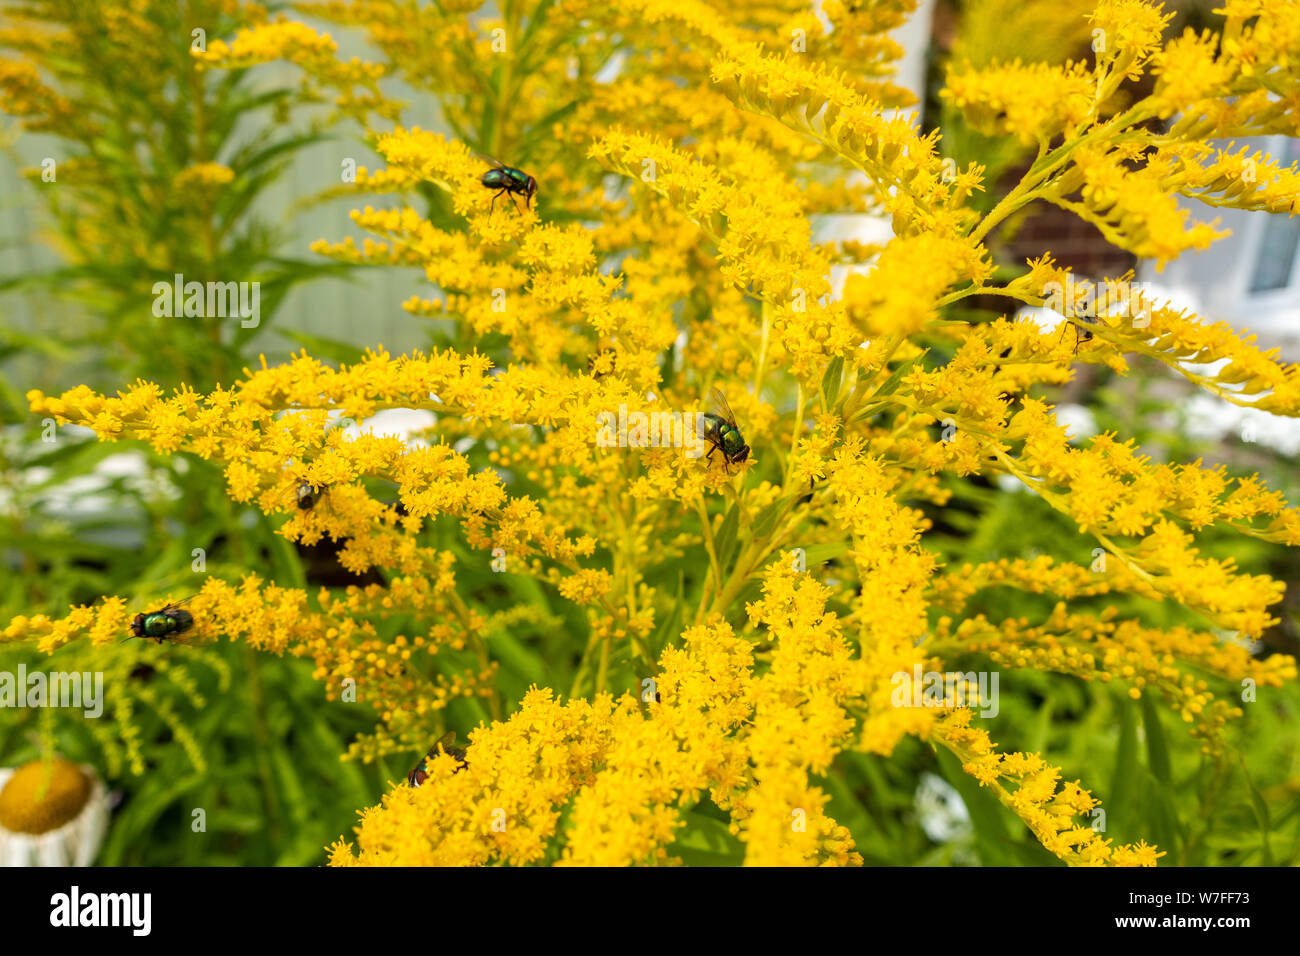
<point x="43" y="796"/>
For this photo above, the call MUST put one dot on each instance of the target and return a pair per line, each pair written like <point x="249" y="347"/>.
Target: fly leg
<point x="1067" y="324"/>
<point x="1078" y="336"/>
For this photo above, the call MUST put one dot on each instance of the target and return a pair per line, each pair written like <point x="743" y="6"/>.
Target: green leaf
<point x="1159" y="815"/>
<point x="1032" y="853"/>
<point x="892" y="383"/>
<point x="284" y="559"/>
<point x="1124" y="779"/>
<point x="1157" y="747"/>
<point x="767" y="519"/>
<point x="985" y="811"/>
<point x="819" y="554"/>
<point x="344" y="353"/>
<point x="542" y="129"/>
<point x="137" y="817"/>
<point x="706" y="841"/>
<point x="725" y="540"/>
<point x="1042" y="726"/>
<point x="832" y="380"/>
<point x="1260" y="807"/>
<point x="671" y="625"/>
<point x="515" y="655"/>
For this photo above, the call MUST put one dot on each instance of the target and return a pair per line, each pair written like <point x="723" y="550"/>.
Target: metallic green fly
<point x="722" y="433"/>
<point x="511" y="181"/>
<point x="166" y="623"/>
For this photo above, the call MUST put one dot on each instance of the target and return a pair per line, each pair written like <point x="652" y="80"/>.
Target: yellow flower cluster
<point x="205" y="175"/>
<point x="748" y="736"/>
<point x="314" y="53"/>
<point x="1100" y="647"/>
<point x="1047" y="805"/>
<point x="1033" y="102"/>
<point x="747" y="616"/>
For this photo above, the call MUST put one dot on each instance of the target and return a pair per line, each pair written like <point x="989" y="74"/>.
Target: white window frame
<point x="1285" y="297"/>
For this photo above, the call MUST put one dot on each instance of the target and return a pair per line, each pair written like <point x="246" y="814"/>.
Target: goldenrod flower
<point x="664" y="258"/>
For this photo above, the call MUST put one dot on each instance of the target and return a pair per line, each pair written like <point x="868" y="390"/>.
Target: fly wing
<point x="445" y="741"/>
<point x="721" y="408"/>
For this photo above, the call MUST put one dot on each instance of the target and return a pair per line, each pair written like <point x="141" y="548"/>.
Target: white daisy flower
<point x="52" y="813"/>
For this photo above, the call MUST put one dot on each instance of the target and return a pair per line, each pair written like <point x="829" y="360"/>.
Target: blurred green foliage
<point x="134" y="128"/>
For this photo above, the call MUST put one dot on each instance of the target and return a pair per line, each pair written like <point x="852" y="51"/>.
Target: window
<point x="1276" y="261"/>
